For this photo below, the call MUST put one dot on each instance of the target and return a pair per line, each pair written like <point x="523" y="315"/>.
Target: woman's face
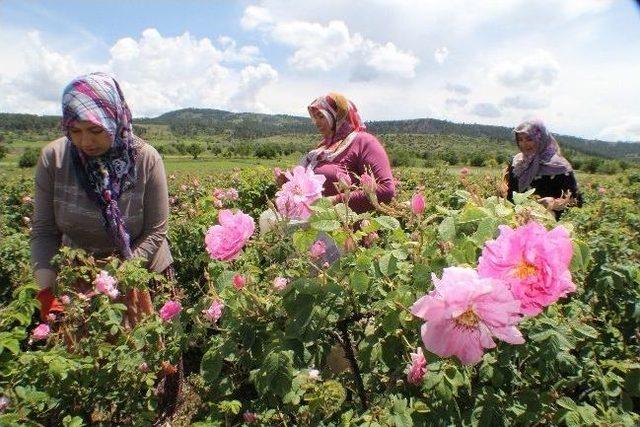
<point x="92" y="139"/>
<point x="321" y="122"/>
<point x="526" y="144"/>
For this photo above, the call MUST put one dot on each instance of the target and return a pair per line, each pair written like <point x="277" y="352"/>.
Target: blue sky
<point x="571" y="62"/>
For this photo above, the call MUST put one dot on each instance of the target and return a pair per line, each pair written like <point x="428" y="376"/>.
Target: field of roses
<point x="450" y="306"/>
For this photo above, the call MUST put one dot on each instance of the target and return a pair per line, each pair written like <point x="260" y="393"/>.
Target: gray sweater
<point x="64" y="215"/>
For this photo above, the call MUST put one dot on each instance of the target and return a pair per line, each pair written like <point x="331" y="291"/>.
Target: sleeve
<point x="45" y="236"/>
<point x="374" y="157"/>
<point x="156" y="213"/>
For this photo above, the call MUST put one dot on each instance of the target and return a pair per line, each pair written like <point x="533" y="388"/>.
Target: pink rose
<point x="464" y="171"/>
<point x="4" y="403"/>
<point x="250" y="417"/>
<point x="602" y="191"/>
<point x="417" y="204"/>
<point x="368" y="183"/>
<point x="225" y="241"/>
<point x="297" y="194"/>
<point x="465" y="313"/>
<point x="318" y="249"/>
<point x="533" y="262"/>
<point x="143" y="367"/>
<point x="232" y="194"/>
<point x="239" y="281"/>
<point x="41" y="332"/>
<point x="106" y="284"/>
<point x="64" y="299"/>
<point x="170" y="309"/>
<point x="280" y="283"/>
<point x="417" y="368"/>
<point x="214" y="312"/>
<point x="344" y="179"/>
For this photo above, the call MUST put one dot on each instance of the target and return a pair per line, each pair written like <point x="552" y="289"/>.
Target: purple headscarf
<point x="97" y="98"/>
<point x="545" y="161"/>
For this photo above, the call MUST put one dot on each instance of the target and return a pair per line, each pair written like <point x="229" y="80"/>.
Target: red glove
<point x="48" y="303"/>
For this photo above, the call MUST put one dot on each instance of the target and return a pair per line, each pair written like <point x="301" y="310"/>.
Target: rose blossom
<point x="344" y="179"/>
<point x="417" y="204"/>
<point x="417" y="368"/>
<point x="65" y="299"/>
<point x="41" y="332"/>
<point x="170" y="309"/>
<point x="314" y="374"/>
<point x="280" y="283"/>
<point x="239" y="281"/>
<point x="106" y="284"/>
<point x="533" y="262"/>
<point x="318" y="249"/>
<point x="225" y="241"/>
<point x="214" y="312"/>
<point x="464" y="171"/>
<point x="303" y="188"/>
<point x="368" y="183"/>
<point x="249" y="417"/>
<point x="464" y="313"/>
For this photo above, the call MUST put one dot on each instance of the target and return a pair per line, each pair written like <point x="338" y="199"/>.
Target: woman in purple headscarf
<point x="99" y="188"/>
<point x="541" y="167"/>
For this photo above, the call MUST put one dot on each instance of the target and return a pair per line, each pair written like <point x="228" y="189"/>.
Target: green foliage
<point x="29" y="158"/>
<point x="578" y="366"/>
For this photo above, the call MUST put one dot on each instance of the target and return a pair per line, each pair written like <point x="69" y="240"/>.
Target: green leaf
<point x="300" y="310"/>
<point x="585" y="330"/>
<point x="387" y="264"/>
<point x="472" y="213"/>
<point x="303" y="239"/>
<point x="388" y="222"/>
<point x="447" y="229"/>
<point x="211" y="363"/>
<point x="275" y="374"/>
<point x="326" y="225"/>
<point x="70" y="421"/>
<point x="359" y="281"/>
<point x="581" y="256"/>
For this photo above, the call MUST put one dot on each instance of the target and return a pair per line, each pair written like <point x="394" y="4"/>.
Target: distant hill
<point x="194" y="121"/>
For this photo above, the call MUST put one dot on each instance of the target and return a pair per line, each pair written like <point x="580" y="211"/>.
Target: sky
<point x="573" y="63"/>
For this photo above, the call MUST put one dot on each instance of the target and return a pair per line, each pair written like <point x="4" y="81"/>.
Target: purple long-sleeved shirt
<point x="364" y="152"/>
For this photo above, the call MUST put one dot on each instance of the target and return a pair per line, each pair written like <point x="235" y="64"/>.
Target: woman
<point x="540" y="166"/>
<point x="101" y="189"/>
<point x="347" y="149"/>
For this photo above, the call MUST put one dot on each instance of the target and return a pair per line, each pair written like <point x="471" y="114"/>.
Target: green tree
<point x="195" y="149"/>
<point x="29" y="158"/>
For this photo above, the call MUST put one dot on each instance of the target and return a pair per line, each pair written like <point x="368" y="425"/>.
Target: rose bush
<point x="306" y="344"/>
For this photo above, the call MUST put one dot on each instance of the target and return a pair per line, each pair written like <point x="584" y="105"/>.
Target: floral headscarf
<point x="545" y="161"/>
<point x="97" y="98"/>
<point x="342" y="115"/>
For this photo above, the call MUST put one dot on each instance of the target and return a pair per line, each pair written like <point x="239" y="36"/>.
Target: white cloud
<point x="255" y="17"/>
<point x="525" y="102"/>
<point x="252" y="80"/>
<point x="455" y="102"/>
<point x="485" y="109"/>
<point x="458" y="88"/>
<point x="440" y="55"/>
<point x="626" y="130"/>
<point x="319" y="47"/>
<point x="157" y="73"/>
<point x="529" y="70"/>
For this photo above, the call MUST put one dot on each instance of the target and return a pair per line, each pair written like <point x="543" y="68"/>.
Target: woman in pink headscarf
<point x="347" y="149"/>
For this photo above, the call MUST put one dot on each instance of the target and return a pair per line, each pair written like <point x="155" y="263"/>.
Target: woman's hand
<point x="279" y="176"/>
